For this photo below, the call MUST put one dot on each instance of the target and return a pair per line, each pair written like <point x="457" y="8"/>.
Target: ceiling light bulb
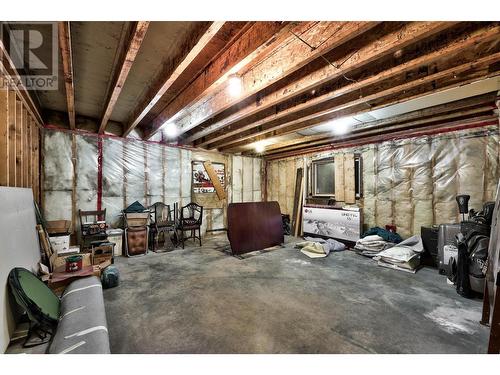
<point x="170" y="130"/>
<point x="234" y="85"/>
<point x="341" y="126"/>
<point x="260" y="147"/>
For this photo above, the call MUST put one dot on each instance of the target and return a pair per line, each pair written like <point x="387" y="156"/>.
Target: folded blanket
<point x="318" y="247"/>
<point x="404" y="255"/>
<point x="371" y="245"/>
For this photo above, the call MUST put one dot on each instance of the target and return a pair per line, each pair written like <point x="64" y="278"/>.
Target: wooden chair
<point x="164" y="220"/>
<point x="92" y="226"/>
<point x="191" y="219"/>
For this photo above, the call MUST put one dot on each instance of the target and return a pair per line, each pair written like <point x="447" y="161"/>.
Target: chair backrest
<point x="192" y="211"/>
<point x="96" y="216"/>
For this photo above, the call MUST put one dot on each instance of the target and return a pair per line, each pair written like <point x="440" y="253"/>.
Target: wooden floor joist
<point x="154" y="96"/>
<point x="137" y="34"/>
<point x="453" y="49"/>
<point x="343" y="110"/>
<point x="387" y="44"/>
<point x="64" y="31"/>
<point x="252" y="43"/>
<point x="389" y="133"/>
<point x="287" y="60"/>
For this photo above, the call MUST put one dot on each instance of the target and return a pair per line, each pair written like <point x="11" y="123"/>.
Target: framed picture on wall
<point x="201" y="181"/>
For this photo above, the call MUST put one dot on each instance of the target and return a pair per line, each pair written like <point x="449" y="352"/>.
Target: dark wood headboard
<point x="254" y="226"/>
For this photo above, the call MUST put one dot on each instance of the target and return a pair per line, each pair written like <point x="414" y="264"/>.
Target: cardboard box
<point x="103" y="253"/>
<point x="60" y="244"/>
<point x="59" y="262"/>
<point x="59" y="227"/>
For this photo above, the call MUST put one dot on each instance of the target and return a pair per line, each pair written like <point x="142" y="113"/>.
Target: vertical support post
<point x="4" y="137"/>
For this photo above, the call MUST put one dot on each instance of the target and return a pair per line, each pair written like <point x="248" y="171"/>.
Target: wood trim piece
<point x="221" y="193"/>
<point x="153" y="97"/>
<point x="137" y="35"/>
<point x="64" y="33"/>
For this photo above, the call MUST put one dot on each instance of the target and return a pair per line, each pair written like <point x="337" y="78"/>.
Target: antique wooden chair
<point x="164" y="220"/>
<point x="190" y="220"/>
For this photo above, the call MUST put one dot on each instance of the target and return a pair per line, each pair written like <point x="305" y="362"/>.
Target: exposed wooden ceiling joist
<point x="64" y="31"/>
<point x="453" y="109"/>
<point x="391" y="133"/>
<point x="350" y="107"/>
<point x="375" y="128"/>
<point x="137" y="34"/>
<point x="154" y="96"/>
<point x="290" y="57"/>
<point x="452" y="49"/>
<point x="252" y="43"/>
<point x="297" y="53"/>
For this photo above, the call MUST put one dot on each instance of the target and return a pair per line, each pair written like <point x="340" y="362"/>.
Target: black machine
<point x="468" y="269"/>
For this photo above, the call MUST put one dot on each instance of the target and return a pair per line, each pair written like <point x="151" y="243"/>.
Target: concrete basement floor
<point x="201" y="300"/>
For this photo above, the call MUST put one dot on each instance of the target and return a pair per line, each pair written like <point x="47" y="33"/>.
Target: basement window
<point x="323" y="173"/>
<point x="322" y="177"/>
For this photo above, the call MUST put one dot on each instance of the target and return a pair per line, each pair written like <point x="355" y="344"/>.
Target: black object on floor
<point x="430" y="241"/>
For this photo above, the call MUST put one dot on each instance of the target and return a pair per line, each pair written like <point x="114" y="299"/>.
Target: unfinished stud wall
<point x="411" y="182"/>
<point x="89" y="172"/>
<point x="19" y="143"/>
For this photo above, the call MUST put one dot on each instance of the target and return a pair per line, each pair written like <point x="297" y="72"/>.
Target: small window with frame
<point x="321" y="181"/>
<point x="323" y="178"/>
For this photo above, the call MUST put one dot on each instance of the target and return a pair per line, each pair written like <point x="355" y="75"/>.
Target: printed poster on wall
<point x="201" y="181"/>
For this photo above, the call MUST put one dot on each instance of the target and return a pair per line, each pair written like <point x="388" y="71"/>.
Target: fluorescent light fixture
<point x="234" y="85"/>
<point x="170" y="130"/>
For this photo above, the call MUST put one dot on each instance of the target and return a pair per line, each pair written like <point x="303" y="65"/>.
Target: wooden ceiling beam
<point x="343" y="109"/>
<point x="387" y="44"/>
<point x="246" y="48"/>
<point x="64" y="32"/>
<point x="390" y="134"/>
<point x="137" y="34"/>
<point x="297" y="52"/>
<point x="154" y="95"/>
<point x="456" y="47"/>
<point x="369" y="128"/>
<point x="482" y="102"/>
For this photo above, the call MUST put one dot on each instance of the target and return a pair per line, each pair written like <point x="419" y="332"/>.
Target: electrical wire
<point x="334" y="65"/>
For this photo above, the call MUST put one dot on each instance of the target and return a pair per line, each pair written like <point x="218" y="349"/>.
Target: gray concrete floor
<point x="200" y="300"/>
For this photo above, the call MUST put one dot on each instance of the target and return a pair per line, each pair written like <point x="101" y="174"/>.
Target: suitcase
<point x="446" y="236"/>
<point x="430" y="241"/>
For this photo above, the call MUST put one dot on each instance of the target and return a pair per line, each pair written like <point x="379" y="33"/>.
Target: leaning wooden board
<point x="254" y="226"/>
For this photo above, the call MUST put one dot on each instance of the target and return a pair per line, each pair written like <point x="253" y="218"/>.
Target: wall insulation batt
<point x="410" y="182"/>
<point x="89" y="172"/>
